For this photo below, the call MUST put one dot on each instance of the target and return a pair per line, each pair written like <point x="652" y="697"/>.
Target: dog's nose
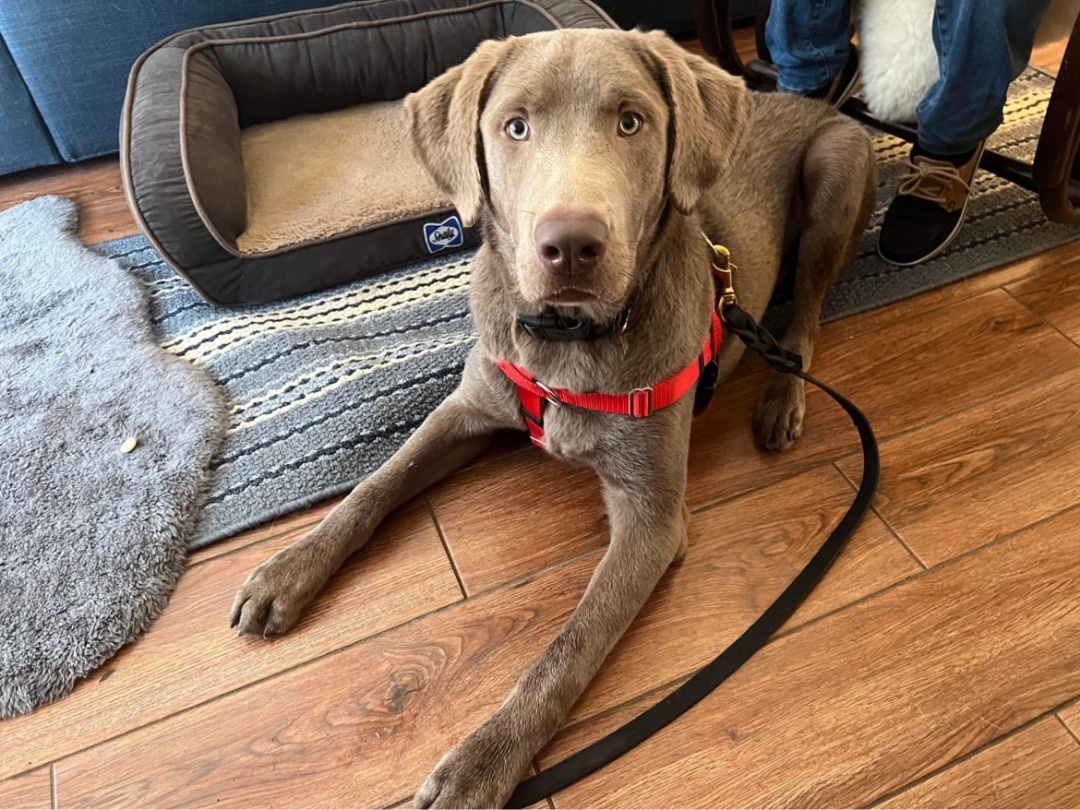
<point x="569" y="244"/>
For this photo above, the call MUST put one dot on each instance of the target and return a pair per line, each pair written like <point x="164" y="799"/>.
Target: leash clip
<point x="723" y="270"/>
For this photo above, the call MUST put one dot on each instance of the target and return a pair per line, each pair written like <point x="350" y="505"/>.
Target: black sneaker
<point x="843" y="84"/>
<point x="929" y="207"/>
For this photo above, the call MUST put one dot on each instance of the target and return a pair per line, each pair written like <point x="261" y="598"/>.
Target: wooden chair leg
<point x="760" y="18"/>
<point x="713" y="21"/>
<point x="1056" y="168"/>
<point x="712" y="18"/>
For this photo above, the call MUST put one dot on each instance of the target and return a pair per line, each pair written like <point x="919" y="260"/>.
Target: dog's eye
<point x="518" y="129"/>
<point x="629" y="123"/>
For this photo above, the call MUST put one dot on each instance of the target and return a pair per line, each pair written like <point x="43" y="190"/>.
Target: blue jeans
<point x="982" y="45"/>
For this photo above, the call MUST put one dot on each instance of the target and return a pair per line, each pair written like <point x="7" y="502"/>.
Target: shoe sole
<point x="950" y="238"/>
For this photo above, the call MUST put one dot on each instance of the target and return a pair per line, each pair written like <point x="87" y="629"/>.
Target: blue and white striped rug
<point x="322" y="389"/>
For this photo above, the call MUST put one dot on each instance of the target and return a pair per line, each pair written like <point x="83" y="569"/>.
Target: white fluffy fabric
<point x="897" y="53"/>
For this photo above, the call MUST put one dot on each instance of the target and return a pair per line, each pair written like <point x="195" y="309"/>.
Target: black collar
<point x="550" y="326"/>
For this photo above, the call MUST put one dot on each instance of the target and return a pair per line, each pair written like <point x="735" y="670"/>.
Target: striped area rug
<point x="322" y="389"/>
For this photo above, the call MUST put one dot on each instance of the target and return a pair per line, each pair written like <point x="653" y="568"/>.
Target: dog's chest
<point x="571" y="434"/>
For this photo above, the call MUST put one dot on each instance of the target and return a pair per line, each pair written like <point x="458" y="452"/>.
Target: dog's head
<point x="574" y="143"/>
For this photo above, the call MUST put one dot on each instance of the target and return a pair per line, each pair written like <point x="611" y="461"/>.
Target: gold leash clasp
<point x="723" y="270"/>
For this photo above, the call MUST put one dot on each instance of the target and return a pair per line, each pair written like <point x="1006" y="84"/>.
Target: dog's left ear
<point x="709" y="111"/>
<point x="444" y="123"/>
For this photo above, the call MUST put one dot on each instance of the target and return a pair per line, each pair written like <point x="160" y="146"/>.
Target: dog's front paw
<point x="778" y="421"/>
<point x="480" y="771"/>
<point x="274" y="595"/>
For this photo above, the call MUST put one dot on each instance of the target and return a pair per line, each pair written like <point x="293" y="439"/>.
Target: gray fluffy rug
<point x="92" y="539"/>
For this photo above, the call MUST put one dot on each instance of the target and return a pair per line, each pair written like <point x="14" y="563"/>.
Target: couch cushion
<point x="75" y="55"/>
<point x="25" y="139"/>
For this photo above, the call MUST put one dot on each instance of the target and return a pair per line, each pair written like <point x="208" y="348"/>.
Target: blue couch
<point x="64" y="67"/>
<point x="64" y="63"/>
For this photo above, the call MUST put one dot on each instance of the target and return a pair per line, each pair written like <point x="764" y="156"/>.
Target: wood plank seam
<point x="36" y="767"/>
<point x="945" y="301"/>
<point x="521" y="580"/>
<point x="536" y="769"/>
<point x="270" y="538"/>
<point x="939" y="297"/>
<point x="882" y="518"/>
<point x="973" y="753"/>
<point x="725" y="499"/>
<point x="973" y="405"/>
<point x="1003" y="537"/>
<point x="446" y="547"/>
<point x="52" y="784"/>
<point x="1041" y="318"/>
<point x="899" y="538"/>
<point x="947" y="563"/>
<point x="1060" y="719"/>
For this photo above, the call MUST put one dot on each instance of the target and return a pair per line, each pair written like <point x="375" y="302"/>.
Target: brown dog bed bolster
<point x="265" y="159"/>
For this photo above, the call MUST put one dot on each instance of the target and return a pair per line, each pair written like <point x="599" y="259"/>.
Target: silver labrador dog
<point x="593" y="161"/>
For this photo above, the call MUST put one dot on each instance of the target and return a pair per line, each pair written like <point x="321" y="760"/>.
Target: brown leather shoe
<point x="928" y="209"/>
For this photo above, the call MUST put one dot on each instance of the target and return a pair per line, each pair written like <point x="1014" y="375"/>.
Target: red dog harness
<point x="639" y="403"/>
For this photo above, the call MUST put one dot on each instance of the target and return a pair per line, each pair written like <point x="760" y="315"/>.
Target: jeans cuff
<point x="947" y="148"/>
<point x="799" y="91"/>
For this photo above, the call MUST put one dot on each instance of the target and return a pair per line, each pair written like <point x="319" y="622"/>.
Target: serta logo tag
<point x="442" y="235"/>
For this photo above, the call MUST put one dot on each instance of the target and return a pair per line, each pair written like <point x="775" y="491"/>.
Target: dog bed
<point x="269" y="158"/>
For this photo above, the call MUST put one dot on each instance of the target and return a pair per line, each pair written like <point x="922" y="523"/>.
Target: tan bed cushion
<point x="320" y="175"/>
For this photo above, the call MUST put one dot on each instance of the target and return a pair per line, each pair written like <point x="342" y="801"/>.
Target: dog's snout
<point x="568" y="244"/>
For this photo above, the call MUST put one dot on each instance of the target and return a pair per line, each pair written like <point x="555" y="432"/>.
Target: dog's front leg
<point x="273" y="596"/>
<point x="648" y="533"/>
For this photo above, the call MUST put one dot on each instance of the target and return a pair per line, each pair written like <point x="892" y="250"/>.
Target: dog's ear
<point x="709" y="111"/>
<point x="444" y="124"/>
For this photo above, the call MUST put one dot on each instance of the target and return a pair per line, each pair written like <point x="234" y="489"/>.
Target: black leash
<point x="706" y="679"/>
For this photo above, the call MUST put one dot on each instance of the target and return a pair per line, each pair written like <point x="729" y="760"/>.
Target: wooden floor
<point x="938" y="664"/>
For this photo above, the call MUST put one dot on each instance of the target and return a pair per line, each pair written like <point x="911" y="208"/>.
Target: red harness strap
<point x="639" y="403"/>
